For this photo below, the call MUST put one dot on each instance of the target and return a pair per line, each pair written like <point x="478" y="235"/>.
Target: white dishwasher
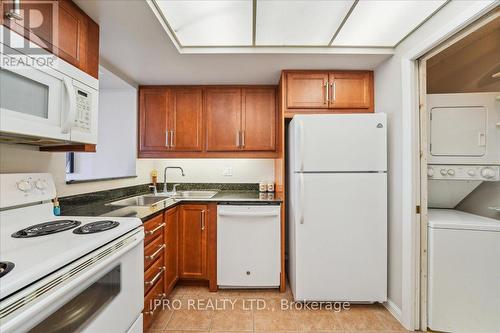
<point x="248" y="246"/>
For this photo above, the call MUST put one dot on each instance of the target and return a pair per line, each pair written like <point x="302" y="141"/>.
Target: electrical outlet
<point x="227" y="171"/>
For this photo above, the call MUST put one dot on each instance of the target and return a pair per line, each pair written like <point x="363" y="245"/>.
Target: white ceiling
<point x="134" y="44"/>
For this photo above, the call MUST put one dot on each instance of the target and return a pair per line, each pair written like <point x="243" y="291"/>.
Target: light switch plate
<point x="227" y="171"/>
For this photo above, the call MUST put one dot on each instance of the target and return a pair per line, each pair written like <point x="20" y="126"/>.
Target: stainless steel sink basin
<point x="199" y="194"/>
<point x="141" y="200"/>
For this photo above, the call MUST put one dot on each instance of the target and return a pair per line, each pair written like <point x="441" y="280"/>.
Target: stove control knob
<point x="443" y="172"/>
<point x="430" y="172"/>
<point x="488" y="173"/>
<point x="24" y="186"/>
<point x="41" y="184"/>
<point x="451" y="172"/>
<point x="471" y="172"/>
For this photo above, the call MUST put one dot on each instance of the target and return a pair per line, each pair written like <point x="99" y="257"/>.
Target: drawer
<point x="154" y="274"/>
<point x="151" y="306"/>
<point x="153" y="251"/>
<point x="153" y="228"/>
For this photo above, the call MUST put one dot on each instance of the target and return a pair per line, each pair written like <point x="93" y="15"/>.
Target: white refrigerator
<point x="337" y="209"/>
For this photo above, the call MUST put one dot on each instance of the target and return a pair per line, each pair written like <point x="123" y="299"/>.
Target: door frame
<point x="424" y="153"/>
<point x="411" y="159"/>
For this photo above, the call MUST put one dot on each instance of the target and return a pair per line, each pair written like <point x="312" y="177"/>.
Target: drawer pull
<point x="155" y="278"/>
<point x="152" y="312"/>
<point x="151" y="232"/>
<point x="153" y="256"/>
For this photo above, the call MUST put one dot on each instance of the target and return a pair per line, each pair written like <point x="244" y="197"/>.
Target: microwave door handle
<point x="69" y="119"/>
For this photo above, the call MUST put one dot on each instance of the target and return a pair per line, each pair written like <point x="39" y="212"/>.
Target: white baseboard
<point x="393" y="309"/>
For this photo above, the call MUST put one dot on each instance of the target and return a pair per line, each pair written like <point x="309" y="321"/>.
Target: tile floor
<point x="194" y="309"/>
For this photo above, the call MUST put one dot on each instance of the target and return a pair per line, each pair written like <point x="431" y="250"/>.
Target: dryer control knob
<point x="41" y="184"/>
<point x="24" y="186"/>
<point x="471" y="173"/>
<point x="487" y="173"/>
<point x="451" y="172"/>
<point x="443" y="172"/>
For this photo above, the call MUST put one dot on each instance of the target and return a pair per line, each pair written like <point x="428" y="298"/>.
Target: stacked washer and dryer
<point x="463" y="248"/>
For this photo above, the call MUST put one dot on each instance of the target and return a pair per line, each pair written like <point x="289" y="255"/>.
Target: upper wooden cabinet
<point x="327" y="91"/>
<point x="184" y="121"/>
<point x="307" y="90"/>
<point x="193" y="233"/>
<point x="223" y="111"/>
<point x="212" y="121"/>
<point x="75" y="39"/>
<point x="258" y="119"/>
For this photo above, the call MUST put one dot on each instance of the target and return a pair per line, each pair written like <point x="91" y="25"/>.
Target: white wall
<point x="390" y="91"/>
<point x="19" y="158"/>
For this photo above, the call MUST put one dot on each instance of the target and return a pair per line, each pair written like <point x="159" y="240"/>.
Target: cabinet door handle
<point x="327" y="95"/>
<point x="334" y="88"/>
<point x="238" y="139"/>
<point x="202" y="220"/>
<point x="172" y="142"/>
<point x="155" y="278"/>
<point x="166" y="139"/>
<point x="152" y="311"/>
<point x="242" y="139"/>
<point x="153" y="256"/>
<point x="151" y="232"/>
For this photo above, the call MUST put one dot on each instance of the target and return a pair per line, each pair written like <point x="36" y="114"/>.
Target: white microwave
<point x="45" y="104"/>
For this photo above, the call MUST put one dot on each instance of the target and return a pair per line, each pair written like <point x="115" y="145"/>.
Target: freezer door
<point x="338" y="241"/>
<point x="341" y="142"/>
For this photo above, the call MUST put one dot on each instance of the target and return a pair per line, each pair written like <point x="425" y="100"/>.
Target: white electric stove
<point x="62" y="273"/>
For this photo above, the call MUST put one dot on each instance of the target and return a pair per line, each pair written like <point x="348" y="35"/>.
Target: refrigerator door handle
<point x="301" y="145"/>
<point x="301" y="198"/>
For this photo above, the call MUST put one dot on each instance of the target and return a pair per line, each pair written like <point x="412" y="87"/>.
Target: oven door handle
<point x="31" y="306"/>
<point x="69" y="119"/>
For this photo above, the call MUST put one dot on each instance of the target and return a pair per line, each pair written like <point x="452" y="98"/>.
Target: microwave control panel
<point x="83" y="110"/>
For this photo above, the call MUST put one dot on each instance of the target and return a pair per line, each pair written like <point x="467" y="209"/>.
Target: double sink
<point x="151" y="199"/>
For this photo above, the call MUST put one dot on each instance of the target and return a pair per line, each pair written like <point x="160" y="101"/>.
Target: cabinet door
<point x="193" y="241"/>
<point x="350" y="90"/>
<point x="258" y="119"/>
<point x="153" y="107"/>
<point x="185" y="121"/>
<point x="223" y="114"/>
<point x="171" y="240"/>
<point x="307" y="90"/>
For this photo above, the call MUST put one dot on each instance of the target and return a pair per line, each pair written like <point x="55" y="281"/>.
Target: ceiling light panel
<point x="299" y="22"/>
<point x="209" y="22"/>
<point x="384" y="23"/>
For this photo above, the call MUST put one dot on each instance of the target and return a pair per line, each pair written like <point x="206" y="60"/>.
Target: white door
<point x="339" y="237"/>
<point x="458" y="131"/>
<point x="343" y="142"/>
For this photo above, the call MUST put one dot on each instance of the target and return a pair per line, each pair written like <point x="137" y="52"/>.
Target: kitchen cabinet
<point x="207" y="121"/>
<point x="171" y="253"/>
<point x="153" y="105"/>
<point x="258" y="119"/>
<point x="327" y="91"/>
<point x="223" y="112"/>
<point x="75" y="39"/>
<point x="307" y="90"/>
<point x="184" y="121"/>
<point x="193" y="232"/>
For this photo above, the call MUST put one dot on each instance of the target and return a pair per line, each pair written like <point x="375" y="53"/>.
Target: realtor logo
<point x="36" y="20"/>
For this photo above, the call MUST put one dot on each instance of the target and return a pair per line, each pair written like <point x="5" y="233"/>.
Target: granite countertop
<point x="97" y="204"/>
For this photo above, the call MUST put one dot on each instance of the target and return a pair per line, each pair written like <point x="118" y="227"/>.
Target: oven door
<point x="102" y="292"/>
<point x="35" y="101"/>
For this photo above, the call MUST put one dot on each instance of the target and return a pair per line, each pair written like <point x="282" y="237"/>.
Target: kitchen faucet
<point x="165" y="176"/>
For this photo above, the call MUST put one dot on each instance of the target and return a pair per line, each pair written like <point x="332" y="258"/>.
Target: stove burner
<point x="46" y="228"/>
<point x="94" y="227"/>
<point x="5" y="267"/>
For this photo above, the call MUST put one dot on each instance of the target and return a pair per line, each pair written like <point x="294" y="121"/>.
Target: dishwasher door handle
<point x="266" y="214"/>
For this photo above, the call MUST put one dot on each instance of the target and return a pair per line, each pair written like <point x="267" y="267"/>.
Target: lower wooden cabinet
<point x="172" y="247"/>
<point x="193" y="223"/>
